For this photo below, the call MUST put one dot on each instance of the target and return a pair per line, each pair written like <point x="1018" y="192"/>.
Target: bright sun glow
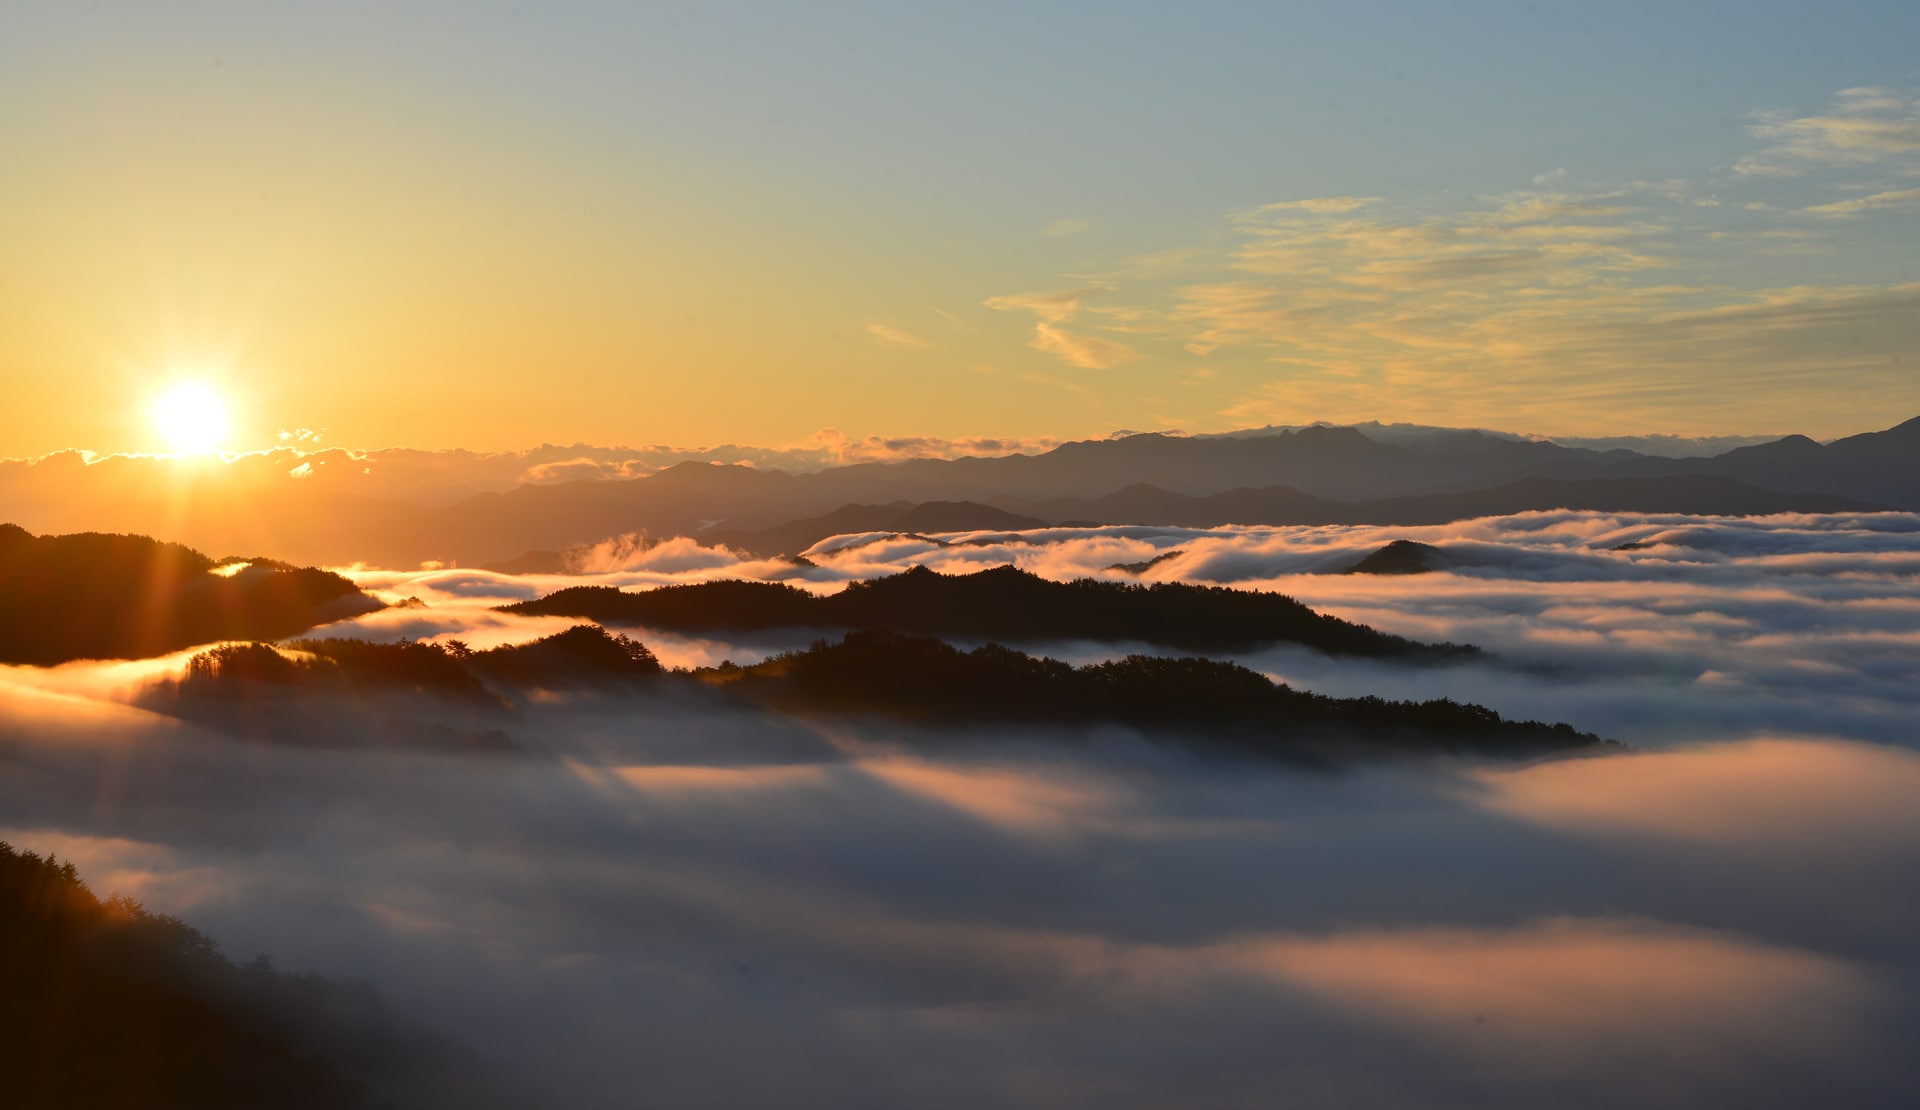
<point x="192" y="417"/>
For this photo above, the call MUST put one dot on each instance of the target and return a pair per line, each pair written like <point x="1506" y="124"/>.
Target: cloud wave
<point x="872" y="914"/>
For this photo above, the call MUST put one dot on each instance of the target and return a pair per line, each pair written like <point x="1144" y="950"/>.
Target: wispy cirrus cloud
<point x="1618" y="297"/>
<point x="1089" y="352"/>
<point x="1363" y="308"/>
<point x="894" y="337"/>
<point x="1895" y="198"/>
<point x="1320" y="206"/>
<point x="1053" y="309"/>
<point x="1862" y="126"/>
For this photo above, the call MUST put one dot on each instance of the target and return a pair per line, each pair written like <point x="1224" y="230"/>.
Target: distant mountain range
<point x="1270" y="505"/>
<point x="1145" y="504"/>
<point x="1306" y="475"/>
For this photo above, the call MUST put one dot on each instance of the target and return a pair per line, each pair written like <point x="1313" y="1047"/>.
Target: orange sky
<point x="619" y="230"/>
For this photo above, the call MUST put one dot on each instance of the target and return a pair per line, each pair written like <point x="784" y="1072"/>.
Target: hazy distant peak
<point x="1390" y="433"/>
<point x="1664" y="445"/>
<point x="1657" y="444"/>
<point x="1904" y="432"/>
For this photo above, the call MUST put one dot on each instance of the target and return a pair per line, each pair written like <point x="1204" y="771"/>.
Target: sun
<point x="193" y="418"/>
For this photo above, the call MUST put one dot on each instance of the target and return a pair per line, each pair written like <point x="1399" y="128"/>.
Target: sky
<point x="490" y="226"/>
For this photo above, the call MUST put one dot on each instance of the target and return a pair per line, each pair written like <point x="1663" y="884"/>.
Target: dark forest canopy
<point x="93" y="595"/>
<point x="582" y="655"/>
<point x="1003" y="603"/>
<point x="1203" y="701"/>
<point x="107" y="1006"/>
<point x="891" y="674"/>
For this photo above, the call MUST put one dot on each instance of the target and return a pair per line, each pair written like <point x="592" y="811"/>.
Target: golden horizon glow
<point x="581" y="270"/>
<point x="193" y="418"/>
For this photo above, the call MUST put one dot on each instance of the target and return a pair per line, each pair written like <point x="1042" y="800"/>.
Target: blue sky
<point x="830" y="208"/>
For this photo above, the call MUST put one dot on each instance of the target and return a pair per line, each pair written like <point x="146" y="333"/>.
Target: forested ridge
<point x="95" y="595"/>
<point x="1001" y="603"/>
<point x="107" y="1005"/>
<point x="879" y="672"/>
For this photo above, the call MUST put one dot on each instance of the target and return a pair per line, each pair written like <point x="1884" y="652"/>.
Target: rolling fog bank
<point x="653" y="901"/>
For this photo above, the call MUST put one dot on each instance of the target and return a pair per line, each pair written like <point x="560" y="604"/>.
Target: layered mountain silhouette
<point x="1202" y="702"/>
<point x="1304" y="475"/>
<point x="99" y="596"/>
<point x="414" y="696"/>
<point x="871" y="672"/>
<point x="1881" y="467"/>
<point x="67" y="592"/>
<point x="1001" y="603"/>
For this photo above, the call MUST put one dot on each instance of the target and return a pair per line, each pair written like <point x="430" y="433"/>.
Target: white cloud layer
<point x="664" y="901"/>
<point x="1708" y="626"/>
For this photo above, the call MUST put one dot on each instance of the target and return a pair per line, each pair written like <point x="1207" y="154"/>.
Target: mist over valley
<point x="866" y="556"/>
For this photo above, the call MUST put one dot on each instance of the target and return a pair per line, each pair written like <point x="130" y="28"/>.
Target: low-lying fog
<point x="666" y="904"/>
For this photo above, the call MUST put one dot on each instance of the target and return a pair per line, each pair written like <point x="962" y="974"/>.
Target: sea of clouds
<point x="1704" y="628"/>
<point x="668" y="902"/>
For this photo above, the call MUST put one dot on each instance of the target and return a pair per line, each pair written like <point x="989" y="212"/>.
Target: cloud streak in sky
<point x="894" y="337"/>
<point x="1892" y="198"/>
<point x="1478" y="310"/>
<point x="1861" y="127"/>
<point x="1630" y="300"/>
<point x="1088" y="352"/>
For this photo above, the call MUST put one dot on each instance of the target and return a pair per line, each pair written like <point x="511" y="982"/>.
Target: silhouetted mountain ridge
<point x="440" y="697"/>
<point x="582" y="655"/>
<point x="1205" y="703"/>
<point x="1881" y="467"/>
<point x="1001" y="603"/>
<point x="1201" y="702"/>
<point x="101" y="596"/>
